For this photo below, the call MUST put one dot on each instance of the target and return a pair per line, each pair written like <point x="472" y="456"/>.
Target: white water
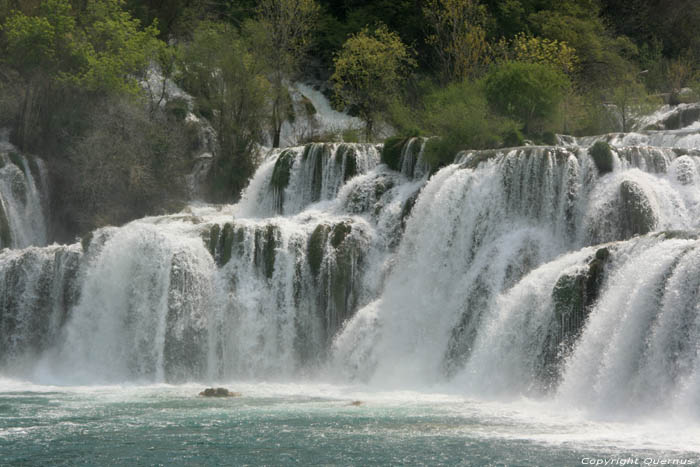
<point x="314" y="277"/>
<point x="323" y="120"/>
<point x="22" y="190"/>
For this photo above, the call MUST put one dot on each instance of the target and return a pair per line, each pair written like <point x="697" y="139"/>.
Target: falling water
<point x="516" y="271"/>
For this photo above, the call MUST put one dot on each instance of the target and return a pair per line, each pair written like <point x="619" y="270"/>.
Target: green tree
<point x="99" y="49"/>
<point x="232" y="90"/>
<point x="282" y="35"/>
<point x="527" y="92"/>
<point x="631" y="100"/>
<point x="369" y="71"/>
<point x="458" y="36"/>
<point x="460" y="116"/>
<point x="531" y="49"/>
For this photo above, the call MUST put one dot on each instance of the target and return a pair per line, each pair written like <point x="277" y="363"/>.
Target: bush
<point x="528" y="92"/>
<point x="513" y="138"/>
<point x="460" y="116"/>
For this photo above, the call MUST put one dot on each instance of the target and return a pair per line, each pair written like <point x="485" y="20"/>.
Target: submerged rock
<point x="219" y="392"/>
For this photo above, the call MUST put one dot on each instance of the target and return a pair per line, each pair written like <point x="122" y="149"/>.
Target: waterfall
<point x="23" y="185"/>
<point x="537" y="270"/>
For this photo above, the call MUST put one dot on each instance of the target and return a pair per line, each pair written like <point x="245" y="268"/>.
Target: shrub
<point x="527" y="92"/>
<point x="460" y="116"/>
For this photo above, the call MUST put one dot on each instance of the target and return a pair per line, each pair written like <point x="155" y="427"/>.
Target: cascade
<point x="531" y="270"/>
<point x="23" y="182"/>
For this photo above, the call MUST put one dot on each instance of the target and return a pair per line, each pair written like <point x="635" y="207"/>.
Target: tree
<point x="368" y="72"/>
<point x="531" y="49"/>
<point x="458" y="36"/>
<point x="528" y="92"/>
<point x="232" y="90"/>
<point x="283" y="36"/>
<point x="630" y="99"/>
<point x="99" y="49"/>
<point x="459" y="114"/>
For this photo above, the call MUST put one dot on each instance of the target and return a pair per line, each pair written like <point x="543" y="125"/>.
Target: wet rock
<point x="637" y="216"/>
<point x="602" y="157"/>
<point x="316" y="247"/>
<point x="219" y="392"/>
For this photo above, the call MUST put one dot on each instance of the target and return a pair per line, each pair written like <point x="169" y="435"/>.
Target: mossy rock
<point x="573" y="297"/>
<point x="282" y="169"/>
<point x="307" y="151"/>
<point x="316" y="248"/>
<point x="16" y="158"/>
<point x="339" y="233"/>
<point x="638" y="217"/>
<point x="86" y="241"/>
<point x="5" y="231"/>
<point x="226" y="244"/>
<point x="569" y="296"/>
<point x="391" y="152"/>
<point x="480" y="156"/>
<point x="602" y="155"/>
<point x="382" y="186"/>
<point x="266" y="249"/>
<point x="211" y="239"/>
<point x="347" y="154"/>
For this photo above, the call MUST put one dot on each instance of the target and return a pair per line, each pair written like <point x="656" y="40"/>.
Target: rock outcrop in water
<point x="219" y="392"/>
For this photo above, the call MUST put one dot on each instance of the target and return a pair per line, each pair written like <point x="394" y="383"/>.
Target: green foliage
<point x="602" y="156"/>
<point x="528" y="92"/>
<point x="513" y="138"/>
<point x="368" y="72"/>
<point x="281" y="36"/>
<point x="458" y="36"/>
<point x="459" y="114"/>
<point x="235" y="98"/>
<point x="102" y="49"/>
<point x="602" y="57"/>
<point x="540" y="50"/>
<point x="631" y="100"/>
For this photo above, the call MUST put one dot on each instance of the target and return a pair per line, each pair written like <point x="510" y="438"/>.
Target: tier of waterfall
<point x="530" y="270"/>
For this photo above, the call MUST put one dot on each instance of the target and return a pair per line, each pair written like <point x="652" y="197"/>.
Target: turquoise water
<point x="311" y="424"/>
